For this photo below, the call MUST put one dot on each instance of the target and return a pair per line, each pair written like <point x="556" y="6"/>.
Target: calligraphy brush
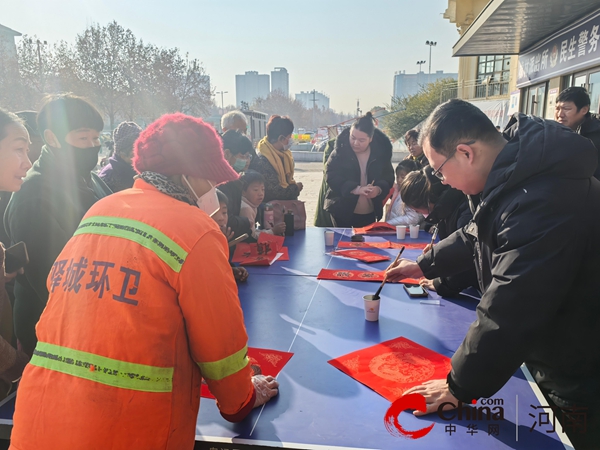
<point x="435" y="233"/>
<point x="376" y="296"/>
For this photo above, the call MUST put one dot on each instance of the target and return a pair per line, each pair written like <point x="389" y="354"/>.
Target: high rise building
<point x="280" y="81"/>
<point x="409" y="84"/>
<point x="308" y="99"/>
<point x="251" y="86"/>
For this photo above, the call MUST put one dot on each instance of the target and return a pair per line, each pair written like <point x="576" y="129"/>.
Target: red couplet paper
<point x="409" y="245"/>
<point x="361" y="255"/>
<point x="376" y="228"/>
<point x="259" y="254"/>
<point x="393" y="367"/>
<point x="349" y="275"/>
<point x="357" y="275"/>
<point x="262" y="361"/>
<point x="349" y="244"/>
<point x="277" y="241"/>
<point x="285" y="256"/>
<point x="387" y="244"/>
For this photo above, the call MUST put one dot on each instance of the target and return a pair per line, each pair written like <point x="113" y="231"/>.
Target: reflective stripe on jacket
<point x="142" y="305"/>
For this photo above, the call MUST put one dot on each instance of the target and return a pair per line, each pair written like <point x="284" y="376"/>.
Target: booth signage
<point x="573" y="48"/>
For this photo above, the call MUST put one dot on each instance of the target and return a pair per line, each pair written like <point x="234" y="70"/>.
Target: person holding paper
<point x="535" y="239"/>
<point x="360" y="175"/>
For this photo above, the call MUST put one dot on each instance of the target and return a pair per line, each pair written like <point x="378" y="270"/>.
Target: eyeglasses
<point x="438" y="172"/>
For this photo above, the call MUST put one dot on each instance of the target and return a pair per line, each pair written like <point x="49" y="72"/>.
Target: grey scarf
<point x="166" y="186"/>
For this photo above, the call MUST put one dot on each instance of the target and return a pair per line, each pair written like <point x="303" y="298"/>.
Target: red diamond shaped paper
<point x="262" y="361"/>
<point x="393" y="367"/>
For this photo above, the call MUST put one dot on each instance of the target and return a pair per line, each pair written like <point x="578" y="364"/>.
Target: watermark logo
<point x="490" y="410"/>
<point x="410" y="401"/>
<point x="486" y="411"/>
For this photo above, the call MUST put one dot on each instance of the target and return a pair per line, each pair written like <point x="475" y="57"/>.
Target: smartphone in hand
<point x="15" y="257"/>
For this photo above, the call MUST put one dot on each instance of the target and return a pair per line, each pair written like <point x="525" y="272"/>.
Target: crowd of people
<point x="106" y="310"/>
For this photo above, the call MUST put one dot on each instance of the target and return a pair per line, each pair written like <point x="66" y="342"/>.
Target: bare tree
<point x="194" y="91"/>
<point x="99" y="58"/>
<point x="125" y="77"/>
<point x="12" y="93"/>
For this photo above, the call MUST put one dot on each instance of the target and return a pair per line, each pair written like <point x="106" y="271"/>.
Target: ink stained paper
<point x="357" y="275"/>
<point x="259" y="254"/>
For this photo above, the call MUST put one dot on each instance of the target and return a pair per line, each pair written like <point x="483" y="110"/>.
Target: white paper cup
<point x="400" y="232"/>
<point x="371" y="308"/>
<point x="414" y="231"/>
<point x="329" y="238"/>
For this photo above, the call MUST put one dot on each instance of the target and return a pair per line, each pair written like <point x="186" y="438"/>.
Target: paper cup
<point x="400" y="232"/>
<point x="414" y="231"/>
<point x="329" y="238"/>
<point x="371" y="308"/>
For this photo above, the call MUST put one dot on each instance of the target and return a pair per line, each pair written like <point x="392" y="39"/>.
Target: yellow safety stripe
<point x="134" y="230"/>
<point x="112" y="372"/>
<point x="217" y="370"/>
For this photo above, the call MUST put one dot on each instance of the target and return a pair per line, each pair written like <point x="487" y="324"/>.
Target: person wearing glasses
<point x="448" y="210"/>
<point x="535" y="239"/>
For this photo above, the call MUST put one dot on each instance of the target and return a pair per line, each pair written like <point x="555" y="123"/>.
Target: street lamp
<point x="420" y="63"/>
<point x="222" y="93"/>
<point x="431" y="44"/>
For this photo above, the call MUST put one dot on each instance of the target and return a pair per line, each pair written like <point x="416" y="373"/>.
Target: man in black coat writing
<point x="535" y="238"/>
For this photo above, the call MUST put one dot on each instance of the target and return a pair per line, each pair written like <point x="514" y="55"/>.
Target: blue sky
<point x="347" y="49"/>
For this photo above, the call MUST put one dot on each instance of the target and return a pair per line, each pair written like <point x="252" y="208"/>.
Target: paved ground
<point x="310" y="174"/>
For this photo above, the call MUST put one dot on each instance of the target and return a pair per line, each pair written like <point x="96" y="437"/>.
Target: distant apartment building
<point x="409" y="84"/>
<point x="251" y="86"/>
<point x="280" y="81"/>
<point x="308" y="99"/>
<point x="7" y="42"/>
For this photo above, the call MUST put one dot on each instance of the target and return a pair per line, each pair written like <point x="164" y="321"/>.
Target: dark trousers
<point x="581" y="422"/>
<point x="356" y="220"/>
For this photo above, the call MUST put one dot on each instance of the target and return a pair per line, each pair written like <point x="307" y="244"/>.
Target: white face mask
<point x="209" y="202"/>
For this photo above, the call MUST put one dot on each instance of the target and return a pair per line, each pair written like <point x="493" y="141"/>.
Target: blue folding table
<point x="286" y="308"/>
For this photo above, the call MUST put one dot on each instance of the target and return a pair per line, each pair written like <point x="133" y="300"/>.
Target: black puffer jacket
<point x="343" y="176"/>
<point x="536" y="240"/>
<point x="590" y="128"/>
<point x="44" y="214"/>
<point x="450" y="213"/>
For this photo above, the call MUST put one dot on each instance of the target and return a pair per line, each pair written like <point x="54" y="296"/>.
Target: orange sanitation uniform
<point x="142" y="306"/>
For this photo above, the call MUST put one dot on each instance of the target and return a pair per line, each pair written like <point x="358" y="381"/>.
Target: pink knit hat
<point x="177" y="144"/>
